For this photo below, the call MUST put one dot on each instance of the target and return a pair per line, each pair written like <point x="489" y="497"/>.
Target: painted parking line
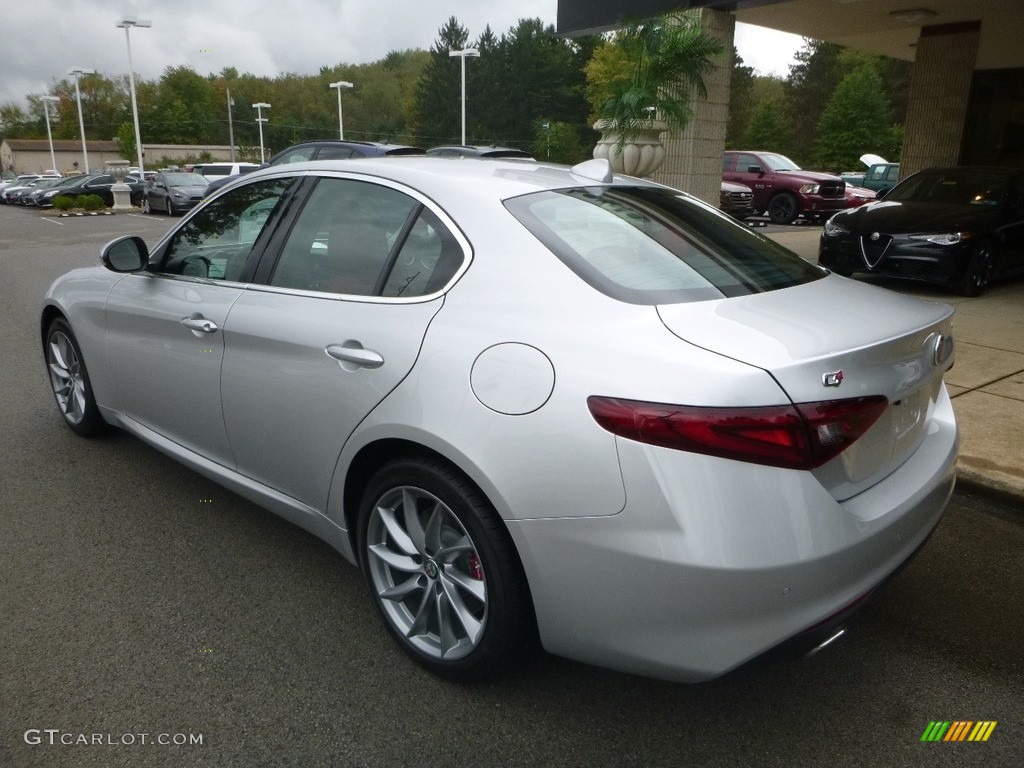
<point x="51" y="221"/>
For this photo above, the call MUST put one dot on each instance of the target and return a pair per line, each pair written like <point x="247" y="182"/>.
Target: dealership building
<point x="966" y="101"/>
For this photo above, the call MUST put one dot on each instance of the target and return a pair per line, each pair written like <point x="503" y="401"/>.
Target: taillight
<point x="802" y="436"/>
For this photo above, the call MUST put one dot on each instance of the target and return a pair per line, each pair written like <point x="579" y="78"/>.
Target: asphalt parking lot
<point x="139" y="598"/>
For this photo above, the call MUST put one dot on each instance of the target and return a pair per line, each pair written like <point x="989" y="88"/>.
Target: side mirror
<point x="126" y="254"/>
<point x="755" y="169"/>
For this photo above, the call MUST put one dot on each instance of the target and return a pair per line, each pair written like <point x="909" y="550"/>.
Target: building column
<point x="940" y="86"/>
<point x="693" y="157"/>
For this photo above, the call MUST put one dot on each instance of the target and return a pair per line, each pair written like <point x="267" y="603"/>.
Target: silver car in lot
<point x="530" y="402"/>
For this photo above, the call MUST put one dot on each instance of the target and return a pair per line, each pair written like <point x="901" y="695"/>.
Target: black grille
<point x="740" y="197"/>
<point x="832" y="189"/>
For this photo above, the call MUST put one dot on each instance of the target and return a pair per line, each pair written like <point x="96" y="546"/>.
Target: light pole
<point x="260" y="120"/>
<point x="76" y="73"/>
<point x="231" y="128"/>
<point x="49" y="136"/>
<point x="338" y="86"/>
<point x="126" y="24"/>
<point x="462" y="55"/>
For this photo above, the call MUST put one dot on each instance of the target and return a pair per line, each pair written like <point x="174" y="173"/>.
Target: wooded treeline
<point x="526" y="90"/>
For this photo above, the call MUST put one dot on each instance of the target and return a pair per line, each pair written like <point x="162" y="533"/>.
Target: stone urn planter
<point x="640" y="156"/>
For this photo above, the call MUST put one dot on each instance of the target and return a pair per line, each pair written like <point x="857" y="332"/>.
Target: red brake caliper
<point x="475" y="569"/>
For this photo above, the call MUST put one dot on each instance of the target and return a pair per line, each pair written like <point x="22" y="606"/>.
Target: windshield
<point x="953" y="186"/>
<point x="185" y="180"/>
<point x="777" y="162"/>
<point x="648" y="245"/>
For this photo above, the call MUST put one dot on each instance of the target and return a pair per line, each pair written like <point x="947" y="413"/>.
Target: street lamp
<point x="338" y="86"/>
<point x="126" y="24"/>
<point x="260" y="120"/>
<point x="231" y="127"/>
<point x="462" y="55"/>
<point x="76" y="73"/>
<point x="49" y="136"/>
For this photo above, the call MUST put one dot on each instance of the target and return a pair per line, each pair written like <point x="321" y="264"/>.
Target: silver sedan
<point x="531" y="403"/>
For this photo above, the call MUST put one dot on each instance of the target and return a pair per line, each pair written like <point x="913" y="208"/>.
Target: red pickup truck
<point x="782" y="189"/>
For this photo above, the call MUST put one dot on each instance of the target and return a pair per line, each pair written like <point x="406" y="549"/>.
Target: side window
<point x="427" y="260"/>
<point x="353" y="236"/>
<point x="215" y="243"/>
<point x="728" y="163"/>
<point x="342" y="238"/>
<point x="893" y="174"/>
<point x="744" y="162"/>
<point x="298" y="155"/>
<point x="334" y="153"/>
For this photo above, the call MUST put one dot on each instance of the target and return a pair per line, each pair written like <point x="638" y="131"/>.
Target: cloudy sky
<point x="42" y="39"/>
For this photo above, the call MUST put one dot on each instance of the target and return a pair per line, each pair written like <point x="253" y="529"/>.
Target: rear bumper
<point x="713" y="562"/>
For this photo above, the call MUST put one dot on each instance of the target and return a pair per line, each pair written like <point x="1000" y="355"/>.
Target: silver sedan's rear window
<point x="649" y="245"/>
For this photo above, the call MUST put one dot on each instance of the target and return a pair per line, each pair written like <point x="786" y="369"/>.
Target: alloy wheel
<point x="426" y="573"/>
<point x="66" y="377"/>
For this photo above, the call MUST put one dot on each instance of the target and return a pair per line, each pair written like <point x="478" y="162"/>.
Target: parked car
<point x="782" y="189"/>
<point x="736" y="200"/>
<point x="329" y="149"/>
<point x="959" y="227"/>
<point x="220" y="170"/>
<point x="856" y="196"/>
<point x="528" y="400"/>
<point x="15" y="185"/>
<point x="492" y="152"/>
<point x="880" y="175"/>
<point x="43" y="198"/>
<point x="100" y="184"/>
<point x="23" y="195"/>
<point x="174" y="193"/>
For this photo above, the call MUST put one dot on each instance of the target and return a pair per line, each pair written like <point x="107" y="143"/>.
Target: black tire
<point x="980" y="270"/>
<point x="783" y="208"/>
<point x="170" y="207"/>
<point x="69" y="380"/>
<point x="452" y="558"/>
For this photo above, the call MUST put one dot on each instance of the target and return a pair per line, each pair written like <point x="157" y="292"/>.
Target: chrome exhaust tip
<point x="831" y="639"/>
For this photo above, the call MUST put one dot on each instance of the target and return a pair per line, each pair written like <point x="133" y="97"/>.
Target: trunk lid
<point x="836" y="339"/>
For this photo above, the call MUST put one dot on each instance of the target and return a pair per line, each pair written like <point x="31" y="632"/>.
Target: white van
<point x="218" y="170"/>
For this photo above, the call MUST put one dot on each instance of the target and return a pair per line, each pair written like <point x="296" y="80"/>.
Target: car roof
<point x="501" y="178"/>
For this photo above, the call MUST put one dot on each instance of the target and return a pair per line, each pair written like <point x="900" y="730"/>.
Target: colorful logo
<point x="958" y="730"/>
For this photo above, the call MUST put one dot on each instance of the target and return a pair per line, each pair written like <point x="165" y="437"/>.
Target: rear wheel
<point x="442" y="570"/>
<point x="69" y="380"/>
<point x="979" y="272"/>
<point x="783" y="208"/>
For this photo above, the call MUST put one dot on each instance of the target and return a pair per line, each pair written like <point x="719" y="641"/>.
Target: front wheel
<point x="145" y="205"/>
<point x="69" y="380"/>
<point x="979" y="272"/>
<point x="170" y="207"/>
<point x="442" y="570"/>
<point x="783" y="209"/>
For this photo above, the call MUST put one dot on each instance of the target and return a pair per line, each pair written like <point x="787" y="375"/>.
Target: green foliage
<point x="855" y="121"/>
<point x="740" y="107"/>
<point x="558" y="143"/>
<point x="126" y="141"/>
<point x="63" y="203"/>
<point x="668" y="58"/>
<point x="89" y="202"/>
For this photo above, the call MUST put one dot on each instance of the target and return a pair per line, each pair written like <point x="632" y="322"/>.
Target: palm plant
<point x="656" y="67"/>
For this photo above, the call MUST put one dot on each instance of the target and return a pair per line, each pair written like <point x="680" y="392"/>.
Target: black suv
<point x="326" y="149"/>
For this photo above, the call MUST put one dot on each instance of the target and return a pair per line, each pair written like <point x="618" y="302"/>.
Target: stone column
<point x="940" y="86"/>
<point x="693" y="161"/>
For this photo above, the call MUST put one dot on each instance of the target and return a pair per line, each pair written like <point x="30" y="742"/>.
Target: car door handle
<point x="357" y="355"/>
<point x="199" y="323"/>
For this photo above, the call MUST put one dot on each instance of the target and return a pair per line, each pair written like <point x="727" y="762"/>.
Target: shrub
<point x="89" y="202"/>
<point x="63" y="203"/>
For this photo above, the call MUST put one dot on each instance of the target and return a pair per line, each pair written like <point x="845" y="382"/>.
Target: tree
<point x="126" y="142"/>
<point x="557" y="143"/>
<point x="811" y="83"/>
<point x="437" y="110"/>
<point x="740" y="104"/>
<point x="855" y="121"/>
